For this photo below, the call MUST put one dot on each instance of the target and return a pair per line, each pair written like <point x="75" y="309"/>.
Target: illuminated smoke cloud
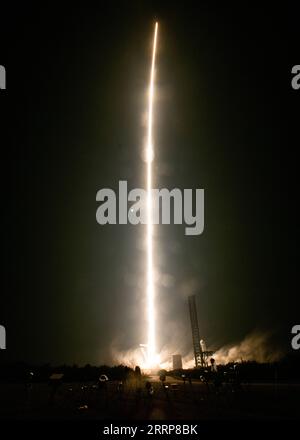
<point x="255" y="347"/>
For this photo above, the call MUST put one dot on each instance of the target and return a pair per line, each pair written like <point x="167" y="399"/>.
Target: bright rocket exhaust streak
<point x="151" y="344"/>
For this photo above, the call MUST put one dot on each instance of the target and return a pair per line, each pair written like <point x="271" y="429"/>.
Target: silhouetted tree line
<point x="285" y="370"/>
<point x="22" y="372"/>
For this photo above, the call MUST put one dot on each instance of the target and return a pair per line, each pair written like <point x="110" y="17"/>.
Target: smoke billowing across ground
<point x="257" y="346"/>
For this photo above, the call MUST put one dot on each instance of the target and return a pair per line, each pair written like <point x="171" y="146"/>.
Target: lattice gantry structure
<point x="198" y="353"/>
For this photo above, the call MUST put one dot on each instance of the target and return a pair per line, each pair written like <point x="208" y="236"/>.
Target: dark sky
<point x="227" y="120"/>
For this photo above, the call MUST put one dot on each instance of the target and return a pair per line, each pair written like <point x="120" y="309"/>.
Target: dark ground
<point x="193" y="401"/>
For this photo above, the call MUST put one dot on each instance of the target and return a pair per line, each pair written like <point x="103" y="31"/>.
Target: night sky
<point x="72" y="122"/>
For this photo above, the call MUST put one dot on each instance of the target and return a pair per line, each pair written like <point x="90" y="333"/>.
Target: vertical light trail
<point x="150" y="281"/>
